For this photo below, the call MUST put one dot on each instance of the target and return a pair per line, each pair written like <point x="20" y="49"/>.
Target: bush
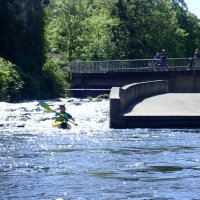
<point x="55" y="78"/>
<point x="11" y="84"/>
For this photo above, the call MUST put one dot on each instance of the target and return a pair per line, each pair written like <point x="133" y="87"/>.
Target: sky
<point x="194" y="7"/>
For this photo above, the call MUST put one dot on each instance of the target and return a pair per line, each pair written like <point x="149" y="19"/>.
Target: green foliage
<point x="98" y="37"/>
<point x="122" y="29"/>
<point x="22" y="32"/>
<point x="191" y="25"/>
<point x="11" y="84"/>
<point x="85" y="30"/>
<point x="55" y="78"/>
<point x="151" y="26"/>
<point x="22" y="42"/>
<point x="90" y="98"/>
<point x="81" y="30"/>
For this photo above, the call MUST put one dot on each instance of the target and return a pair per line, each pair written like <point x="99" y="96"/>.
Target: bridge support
<point x="122" y="97"/>
<point x="116" y="119"/>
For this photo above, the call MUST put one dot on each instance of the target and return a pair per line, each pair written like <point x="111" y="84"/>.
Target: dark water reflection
<point x="99" y="164"/>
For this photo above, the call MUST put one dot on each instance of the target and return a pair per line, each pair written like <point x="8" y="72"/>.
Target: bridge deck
<point x="171" y="104"/>
<point x="167" y="110"/>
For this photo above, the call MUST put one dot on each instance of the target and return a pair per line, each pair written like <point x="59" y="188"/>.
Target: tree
<point x="22" y="42"/>
<point x="151" y="26"/>
<point x="122" y="29"/>
<point x="81" y="29"/>
<point x="191" y="26"/>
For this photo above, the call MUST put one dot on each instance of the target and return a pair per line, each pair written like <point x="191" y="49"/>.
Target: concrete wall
<point x="179" y="81"/>
<point x="134" y="92"/>
<point x="122" y="97"/>
<point x="115" y="108"/>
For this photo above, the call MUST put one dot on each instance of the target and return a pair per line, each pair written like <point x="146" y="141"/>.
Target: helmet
<point x="62" y="106"/>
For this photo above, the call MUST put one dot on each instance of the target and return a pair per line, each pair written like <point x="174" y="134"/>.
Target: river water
<point x="91" y="161"/>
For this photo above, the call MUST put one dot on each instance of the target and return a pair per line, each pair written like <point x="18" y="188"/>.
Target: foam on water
<point x="90" y="116"/>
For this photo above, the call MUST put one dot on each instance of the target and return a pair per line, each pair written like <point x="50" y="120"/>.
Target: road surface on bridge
<point x="170" y="104"/>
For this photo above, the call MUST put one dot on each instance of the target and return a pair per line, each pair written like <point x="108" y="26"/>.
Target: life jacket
<point x="63" y="117"/>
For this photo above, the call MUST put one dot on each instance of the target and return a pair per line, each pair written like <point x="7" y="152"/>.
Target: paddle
<point x="48" y="108"/>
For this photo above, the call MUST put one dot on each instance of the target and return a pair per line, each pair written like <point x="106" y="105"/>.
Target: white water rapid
<point x="30" y="116"/>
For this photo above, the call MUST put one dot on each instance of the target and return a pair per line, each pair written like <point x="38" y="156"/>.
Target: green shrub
<point x="90" y="98"/>
<point x="55" y="78"/>
<point x="11" y="84"/>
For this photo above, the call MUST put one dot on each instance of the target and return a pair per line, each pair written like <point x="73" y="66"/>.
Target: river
<point x="91" y="161"/>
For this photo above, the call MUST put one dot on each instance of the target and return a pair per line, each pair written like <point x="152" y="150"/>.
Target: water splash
<point x="90" y="116"/>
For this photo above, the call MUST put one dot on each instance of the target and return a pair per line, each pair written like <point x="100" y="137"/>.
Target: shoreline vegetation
<point x="84" y="30"/>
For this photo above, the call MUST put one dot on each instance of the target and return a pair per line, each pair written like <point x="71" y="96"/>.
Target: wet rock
<point x="103" y="96"/>
<point x="70" y="100"/>
<point x="57" y="100"/>
<point x="89" y="98"/>
<point x="44" y="119"/>
<point x="38" y="109"/>
<point x="24" y="118"/>
<point x="10" y="118"/>
<point x="20" y="125"/>
<point x="10" y="110"/>
<point x="23" y="109"/>
<point x="85" y="100"/>
<point x="77" y="103"/>
<point x="101" y="121"/>
<point x="98" y="99"/>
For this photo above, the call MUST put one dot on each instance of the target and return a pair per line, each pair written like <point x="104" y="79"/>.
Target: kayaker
<point x="63" y="117"/>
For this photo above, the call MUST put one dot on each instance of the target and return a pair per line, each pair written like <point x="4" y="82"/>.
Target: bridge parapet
<point x="122" y="97"/>
<point x="134" y="65"/>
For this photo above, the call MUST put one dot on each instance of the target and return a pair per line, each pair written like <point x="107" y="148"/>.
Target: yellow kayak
<point x="63" y="125"/>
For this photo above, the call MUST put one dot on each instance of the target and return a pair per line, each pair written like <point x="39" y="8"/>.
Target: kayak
<point x="63" y="125"/>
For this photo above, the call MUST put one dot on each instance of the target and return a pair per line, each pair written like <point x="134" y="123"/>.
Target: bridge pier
<point x="143" y="107"/>
<point x="116" y="118"/>
<point x="122" y="97"/>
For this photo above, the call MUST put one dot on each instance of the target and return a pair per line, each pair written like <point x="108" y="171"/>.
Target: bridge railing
<point x="136" y="65"/>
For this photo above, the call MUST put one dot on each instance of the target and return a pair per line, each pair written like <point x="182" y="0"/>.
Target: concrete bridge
<point x="87" y="84"/>
<point x="93" y="77"/>
<point x="141" y="98"/>
<point x="152" y="105"/>
<point x="178" y="81"/>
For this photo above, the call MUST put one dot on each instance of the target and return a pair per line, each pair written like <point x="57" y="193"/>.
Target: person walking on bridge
<point x="156" y="62"/>
<point x="164" y="64"/>
<point x="197" y="57"/>
<point x="191" y="63"/>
